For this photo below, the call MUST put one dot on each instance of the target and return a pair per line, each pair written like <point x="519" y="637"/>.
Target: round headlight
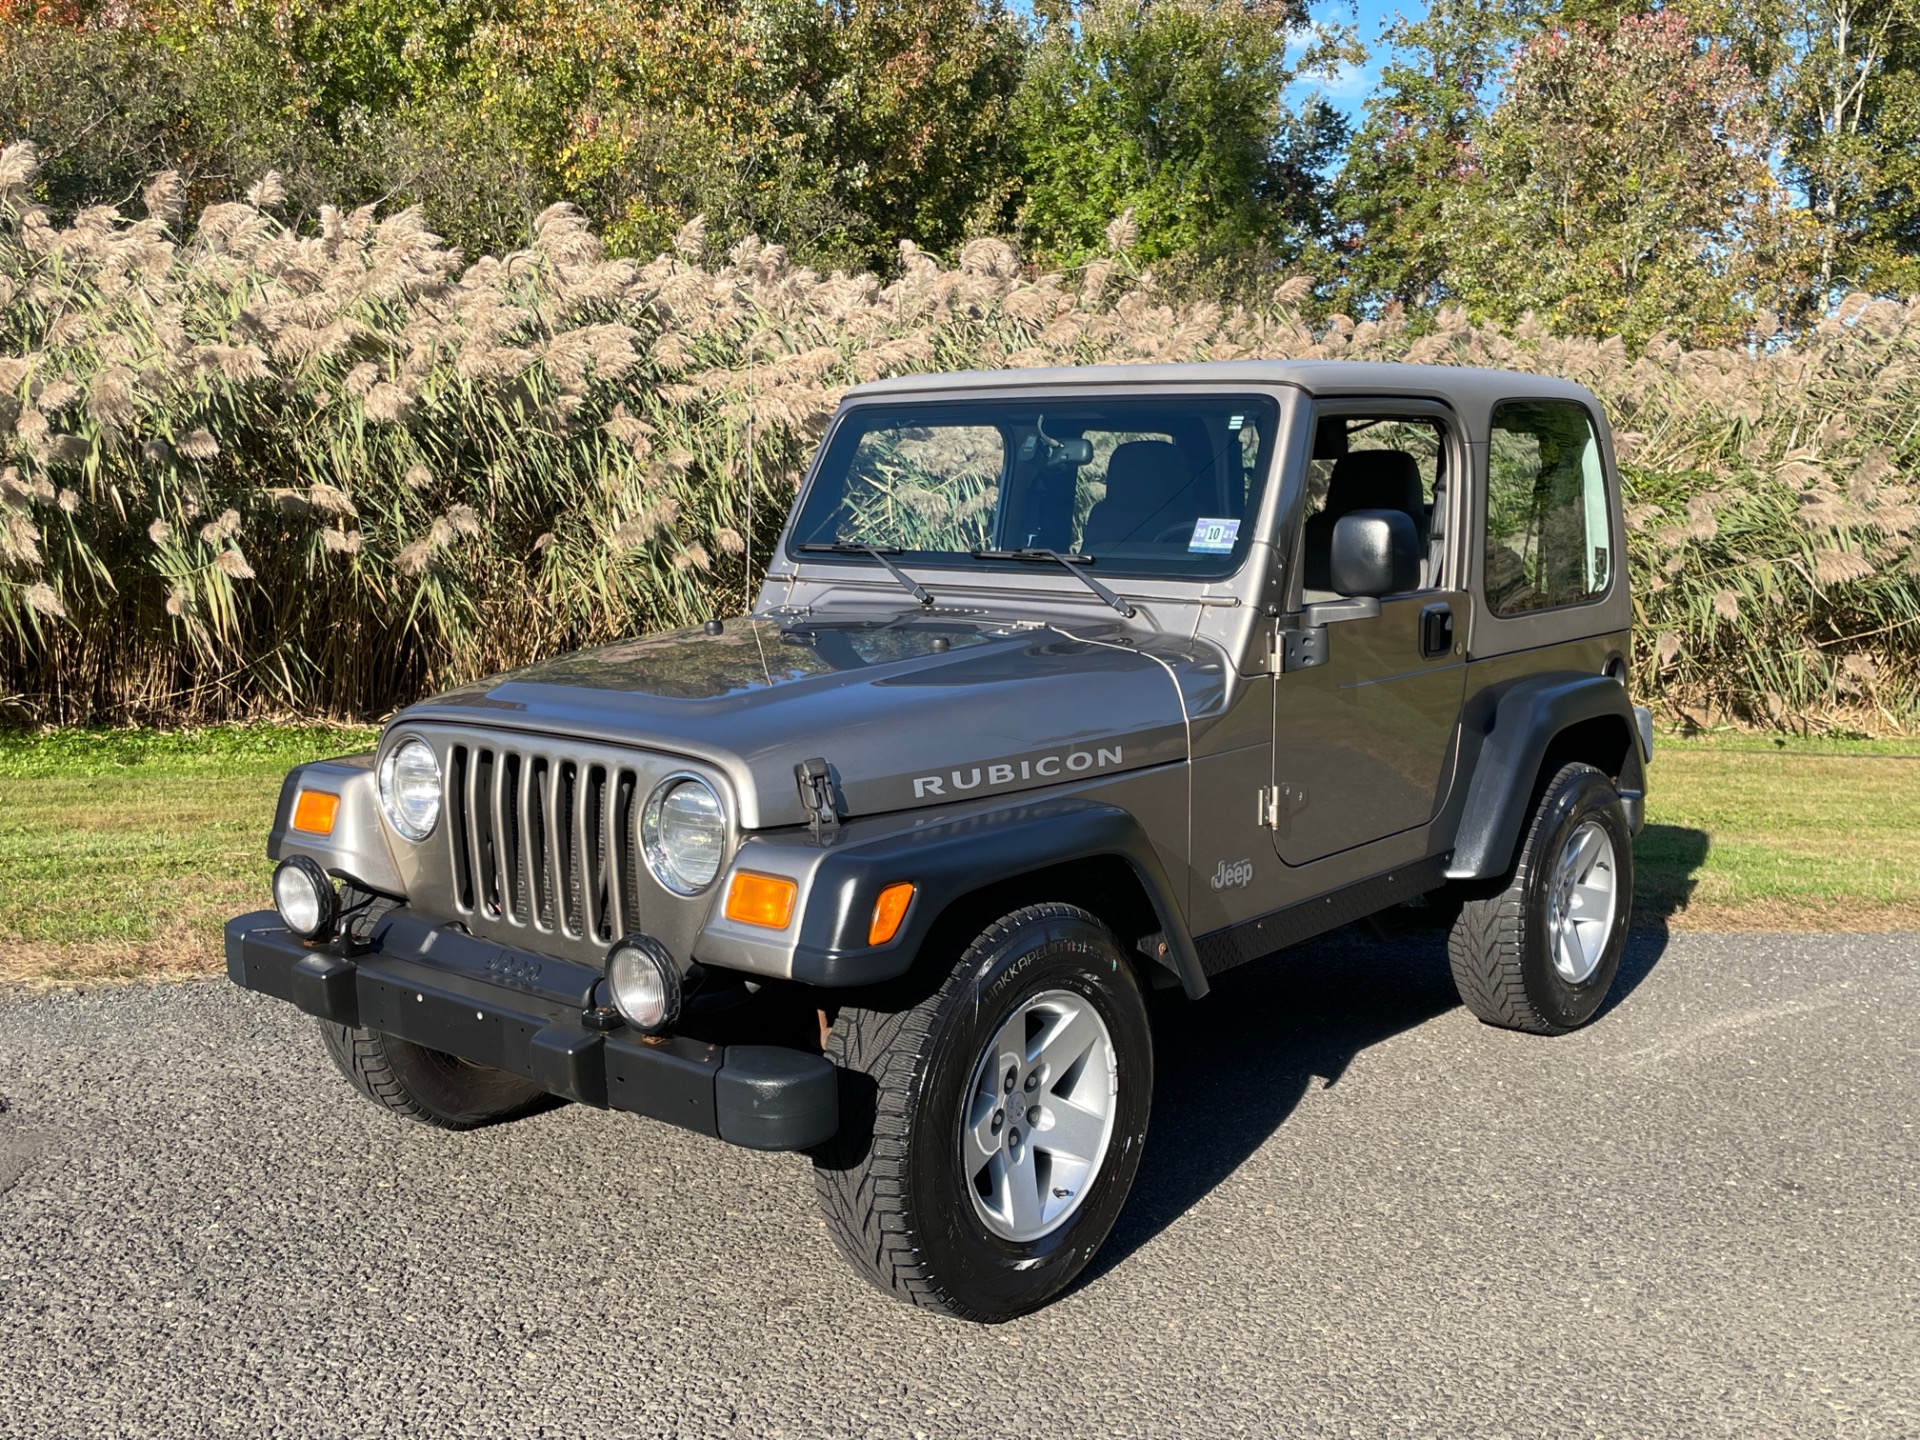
<point x="410" y="788"/>
<point x="305" y="897"/>
<point x="645" y="983"/>
<point x="684" y="834"/>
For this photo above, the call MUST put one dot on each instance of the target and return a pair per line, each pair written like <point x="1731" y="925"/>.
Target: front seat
<point x="1362" y="480"/>
<point x="1149" y="490"/>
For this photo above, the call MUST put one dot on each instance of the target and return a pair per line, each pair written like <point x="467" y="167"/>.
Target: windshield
<point x="1137" y="484"/>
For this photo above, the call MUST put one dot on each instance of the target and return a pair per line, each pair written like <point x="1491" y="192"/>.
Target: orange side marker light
<point x="314" y="811"/>
<point x="888" y="911"/>
<point x="765" y="900"/>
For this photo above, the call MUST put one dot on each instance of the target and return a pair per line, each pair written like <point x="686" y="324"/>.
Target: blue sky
<point x="1349" y="89"/>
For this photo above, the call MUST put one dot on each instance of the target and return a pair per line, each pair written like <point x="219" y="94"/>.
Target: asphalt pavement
<point x="1361" y="1214"/>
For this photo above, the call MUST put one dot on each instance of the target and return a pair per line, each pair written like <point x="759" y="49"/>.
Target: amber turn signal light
<point x="314" y="811"/>
<point x="761" y="899"/>
<point x="888" y="911"/>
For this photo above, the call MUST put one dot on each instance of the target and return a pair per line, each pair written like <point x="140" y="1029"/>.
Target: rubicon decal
<point x="1012" y="772"/>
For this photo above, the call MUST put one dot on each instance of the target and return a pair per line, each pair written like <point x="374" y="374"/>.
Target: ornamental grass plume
<point x="441" y="467"/>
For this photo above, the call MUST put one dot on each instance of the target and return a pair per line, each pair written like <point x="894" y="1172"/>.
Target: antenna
<point x="753" y="389"/>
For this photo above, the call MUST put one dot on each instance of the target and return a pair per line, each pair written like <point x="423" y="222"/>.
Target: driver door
<point x="1363" y="741"/>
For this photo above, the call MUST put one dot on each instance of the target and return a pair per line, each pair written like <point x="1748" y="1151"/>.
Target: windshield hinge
<point x="820" y="797"/>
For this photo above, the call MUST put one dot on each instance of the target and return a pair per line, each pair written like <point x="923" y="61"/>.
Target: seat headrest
<point x="1148" y="487"/>
<point x="1375" y="480"/>
<point x="1145" y="472"/>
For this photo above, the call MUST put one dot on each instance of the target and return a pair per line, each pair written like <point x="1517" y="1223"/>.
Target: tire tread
<point x="864" y="1199"/>
<point x="1486" y="944"/>
<point x="367" y="1061"/>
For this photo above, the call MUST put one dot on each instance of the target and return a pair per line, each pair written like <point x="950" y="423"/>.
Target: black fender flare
<point x="1525" y="719"/>
<point x="949" y="859"/>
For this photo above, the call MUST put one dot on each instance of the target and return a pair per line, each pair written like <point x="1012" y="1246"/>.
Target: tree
<point x="916" y="115"/>
<point x="1416" y="144"/>
<point x="1852" y="119"/>
<point x="1842" y="81"/>
<point x="1622" y="185"/>
<point x="1176" y="111"/>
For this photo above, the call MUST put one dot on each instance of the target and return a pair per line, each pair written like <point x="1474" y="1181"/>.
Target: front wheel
<point x="991" y="1130"/>
<point x="426" y="1085"/>
<point x="1541" y="954"/>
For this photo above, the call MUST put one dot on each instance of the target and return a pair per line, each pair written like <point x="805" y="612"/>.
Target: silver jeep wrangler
<point x="1063" y="686"/>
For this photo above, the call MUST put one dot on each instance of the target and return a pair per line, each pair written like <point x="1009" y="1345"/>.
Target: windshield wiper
<point x="1067" y="562"/>
<point x="880" y="553"/>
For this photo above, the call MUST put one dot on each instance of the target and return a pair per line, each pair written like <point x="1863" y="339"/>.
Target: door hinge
<point x="820" y="797"/>
<point x="1278" y="806"/>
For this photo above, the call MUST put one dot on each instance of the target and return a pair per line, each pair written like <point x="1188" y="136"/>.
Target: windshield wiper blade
<point x="880" y="553"/>
<point x="1069" y="563"/>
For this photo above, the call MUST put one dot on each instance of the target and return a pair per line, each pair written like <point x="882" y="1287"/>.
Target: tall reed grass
<point x="251" y="469"/>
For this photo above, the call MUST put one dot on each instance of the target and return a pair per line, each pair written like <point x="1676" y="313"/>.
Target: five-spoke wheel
<point x="991" y="1124"/>
<point x="1040" y="1115"/>
<point x="1541" y="953"/>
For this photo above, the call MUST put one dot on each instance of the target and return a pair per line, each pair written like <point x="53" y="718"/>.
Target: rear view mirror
<point x="1375" y="553"/>
<point x="1069" y="454"/>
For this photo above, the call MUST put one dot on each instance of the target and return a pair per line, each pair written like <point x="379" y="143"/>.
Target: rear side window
<point x="1547" y="537"/>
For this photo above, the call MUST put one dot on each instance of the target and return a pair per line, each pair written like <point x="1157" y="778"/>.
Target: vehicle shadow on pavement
<point x="1230" y="1069"/>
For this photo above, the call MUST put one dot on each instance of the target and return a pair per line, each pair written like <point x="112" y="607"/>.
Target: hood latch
<point x="820" y="796"/>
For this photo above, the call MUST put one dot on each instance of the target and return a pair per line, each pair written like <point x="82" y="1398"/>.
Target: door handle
<point x="1436" y="630"/>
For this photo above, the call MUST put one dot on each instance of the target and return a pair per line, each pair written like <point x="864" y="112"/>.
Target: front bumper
<point x="474" y="999"/>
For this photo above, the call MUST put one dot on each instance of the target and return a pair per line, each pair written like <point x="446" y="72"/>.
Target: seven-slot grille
<point x="544" y="841"/>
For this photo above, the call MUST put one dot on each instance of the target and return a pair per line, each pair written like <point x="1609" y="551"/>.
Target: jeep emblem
<point x="1232" y="874"/>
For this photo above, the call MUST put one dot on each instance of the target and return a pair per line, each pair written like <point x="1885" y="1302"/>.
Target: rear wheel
<point x="1542" y="953"/>
<point x="429" y="1086"/>
<point x="991" y="1130"/>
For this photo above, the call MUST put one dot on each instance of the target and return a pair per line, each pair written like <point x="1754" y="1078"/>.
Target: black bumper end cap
<point x="324" y="985"/>
<point x="767" y="1097"/>
<point x="570" y="1062"/>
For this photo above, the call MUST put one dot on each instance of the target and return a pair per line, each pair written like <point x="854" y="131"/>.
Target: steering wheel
<point x="1179" y="530"/>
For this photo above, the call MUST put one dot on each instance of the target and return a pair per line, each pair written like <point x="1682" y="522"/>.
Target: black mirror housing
<point x="1375" y="553"/>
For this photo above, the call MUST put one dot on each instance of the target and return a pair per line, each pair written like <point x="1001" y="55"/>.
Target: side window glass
<point x="1373" y="462"/>
<point x="1344" y="435"/>
<point x="1547" y="541"/>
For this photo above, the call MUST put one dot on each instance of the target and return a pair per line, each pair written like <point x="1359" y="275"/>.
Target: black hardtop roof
<point x="1457" y="385"/>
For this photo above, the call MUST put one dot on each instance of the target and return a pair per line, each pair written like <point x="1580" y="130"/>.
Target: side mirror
<point x="1375" y="553"/>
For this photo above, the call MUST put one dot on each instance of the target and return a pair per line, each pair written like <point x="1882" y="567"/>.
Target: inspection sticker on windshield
<point x="1213" y="537"/>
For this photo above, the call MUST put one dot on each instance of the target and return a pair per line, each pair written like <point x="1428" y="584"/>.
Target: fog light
<point x="305" y="897"/>
<point x="645" y="983"/>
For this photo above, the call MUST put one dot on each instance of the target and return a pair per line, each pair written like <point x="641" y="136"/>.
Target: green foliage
<point x="1174" y="112"/>
<point x="215" y="752"/>
<point x="1415" y="145"/>
<point x="916" y="115"/>
<point x="834" y="129"/>
<point x="1622" y="187"/>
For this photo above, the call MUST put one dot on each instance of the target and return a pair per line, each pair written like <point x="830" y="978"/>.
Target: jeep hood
<point x="909" y="711"/>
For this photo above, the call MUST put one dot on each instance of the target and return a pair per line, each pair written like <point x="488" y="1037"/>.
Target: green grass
<point x="1759" y="832"/>
<point x="123" y="852"/>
